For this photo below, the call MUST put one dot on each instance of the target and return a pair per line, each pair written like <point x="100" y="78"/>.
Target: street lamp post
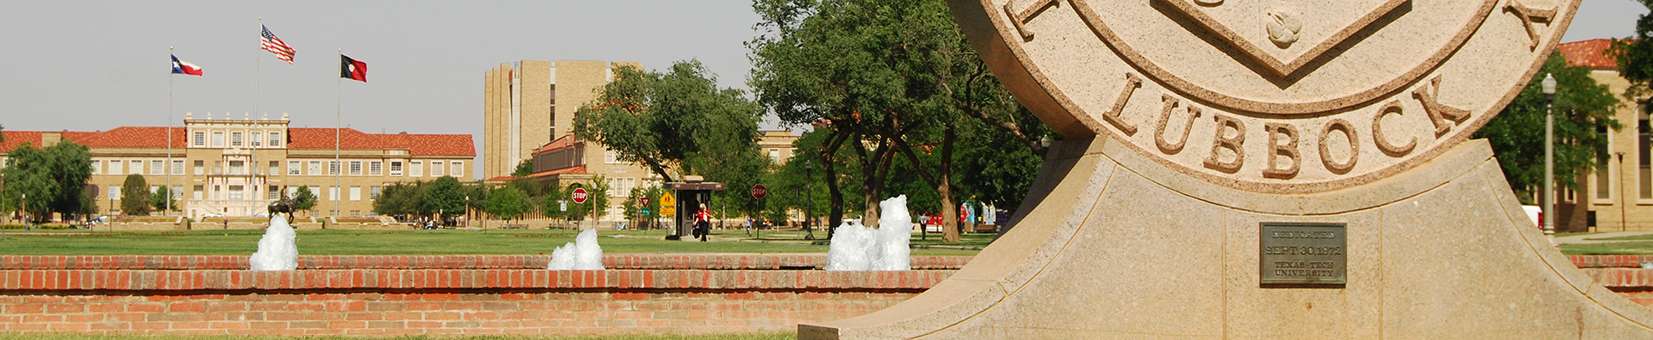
<point x="1550" y="215"/>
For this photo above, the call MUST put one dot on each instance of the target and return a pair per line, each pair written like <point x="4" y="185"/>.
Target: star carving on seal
<point x="1283" y="31"/>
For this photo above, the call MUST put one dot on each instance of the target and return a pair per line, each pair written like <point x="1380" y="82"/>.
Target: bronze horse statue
<point x="283" y="205"/>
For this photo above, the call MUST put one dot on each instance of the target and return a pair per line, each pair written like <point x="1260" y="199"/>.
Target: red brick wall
<point x="397" y="295"/>
<point x="405" y="313"/>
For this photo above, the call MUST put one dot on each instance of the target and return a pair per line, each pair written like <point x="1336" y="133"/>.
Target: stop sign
<point x="579" y="195"/>
<point x="759" y="191"/>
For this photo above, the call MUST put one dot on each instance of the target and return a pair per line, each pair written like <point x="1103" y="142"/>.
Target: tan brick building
<point x="1622" y="196"/>
<point x="520" y="111"/>
<point x="237" y="166"/>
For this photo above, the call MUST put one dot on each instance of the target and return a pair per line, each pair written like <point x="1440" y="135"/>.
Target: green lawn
<point x="1614" y="248"/>
<point x="440" y="242"/>
<point x="617" y="337"/>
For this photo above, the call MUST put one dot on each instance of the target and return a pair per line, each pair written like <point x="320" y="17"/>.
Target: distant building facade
<point x="520" y="111"/>
<point x="237" y="166"/>
<point x="528" y="114"/>
<point x="1618" y="192"/>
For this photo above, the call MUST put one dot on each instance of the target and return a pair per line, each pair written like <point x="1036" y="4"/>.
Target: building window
<point x="235" y="139"/>
<point x="775" y="155"/>
<point x="355" y="168"/>
<point x="200" y="139"/>
<point x="218" y="139"/>
<point x="332" y="193"/>
<point x="97" y="166"/>
<point x="275" y="139"/>
<point x="374" y="191"/>
<point x="135" y="166"/>
<point x="315" y="169"/>
<point x="258" y="139"/>
<point x="332" y="167"/>
<point x="237" y="193"/>
<point x="294" y="168"/>
<point x="177" y="167"/>
<point x="1644" y="173"/>
<point x="197" y="192"/>
<point x="436" y="168"/>
<point x="275" y="168"/>
<point x="416" y="169"/>
<point x="396" y="168"/>
<point x="273" y="192"/>
<point x="115" y="192"/>
<point x="153" y="189"/>
<point x="200" y="168"/>
<point x="458" y="169"/>
<point x="116" y="167"/>
<point x="176" y="191"/>
<point x="611" y="157"/>
<point x="157" y="167"/>
<point x="314" y="190"/>
<point x="238" y="168"/>
<point x="1603" y="171"/>
<point x="375" y="168"/>
<point x="355" y="193"/>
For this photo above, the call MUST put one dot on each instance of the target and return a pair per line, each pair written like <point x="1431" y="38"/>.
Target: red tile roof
<point x="300" y="139"/>
<point x="1593" y="54"/>
<point x="573" y="170"/>
<point x="15" y="139"/>
<point x="561" y="143"/>
<point x="128" y="137"/>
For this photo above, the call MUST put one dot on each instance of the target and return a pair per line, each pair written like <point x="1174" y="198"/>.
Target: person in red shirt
<point x="702" y="223"/>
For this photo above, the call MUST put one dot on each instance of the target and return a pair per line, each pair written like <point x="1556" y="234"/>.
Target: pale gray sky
<point x="95" y="65"/>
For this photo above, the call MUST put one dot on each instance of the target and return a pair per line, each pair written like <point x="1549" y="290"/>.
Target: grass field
<point x="775" y="336"/>
<point x="1614" y="248"/>
<point x="438" y="242"/>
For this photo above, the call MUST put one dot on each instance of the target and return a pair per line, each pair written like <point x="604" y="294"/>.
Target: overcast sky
<point x="95" y="65"/>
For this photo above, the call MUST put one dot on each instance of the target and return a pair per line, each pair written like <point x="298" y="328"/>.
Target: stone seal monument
<point x="1264" y="169"/>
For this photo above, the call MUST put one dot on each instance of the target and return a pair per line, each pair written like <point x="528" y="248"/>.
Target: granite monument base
<point x="1113" y="244"/>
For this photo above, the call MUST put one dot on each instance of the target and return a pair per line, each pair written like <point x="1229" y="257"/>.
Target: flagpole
<point x="258" y="65"/>
<point x="167" y="169"/>
<point x="338" y="131"/>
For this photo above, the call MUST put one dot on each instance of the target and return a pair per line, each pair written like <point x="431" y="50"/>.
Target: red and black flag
<point x="352" y="68"/>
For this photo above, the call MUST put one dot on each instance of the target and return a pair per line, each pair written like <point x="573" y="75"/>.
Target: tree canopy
<point x="663" y="120"/>
<point x="54" y="179"/>
<point x="508" y="203"/>
<point x="887" y="80"/>
<point x="135" y="196"/>
<point x="1583" y="115"/>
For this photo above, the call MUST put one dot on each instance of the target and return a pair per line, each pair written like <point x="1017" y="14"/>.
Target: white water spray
<point x="858" y="248"/>
<point x="278" y="249"/>
<point x="582" y="254"/>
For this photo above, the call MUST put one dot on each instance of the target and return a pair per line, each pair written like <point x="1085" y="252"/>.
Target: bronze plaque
<point x="1303" y="254"/>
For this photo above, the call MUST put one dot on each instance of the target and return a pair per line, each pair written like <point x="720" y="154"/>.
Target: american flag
<point x="275" y="45"/>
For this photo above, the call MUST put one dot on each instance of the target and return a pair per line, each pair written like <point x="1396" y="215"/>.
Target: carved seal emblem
<point x="1273" y="95"/>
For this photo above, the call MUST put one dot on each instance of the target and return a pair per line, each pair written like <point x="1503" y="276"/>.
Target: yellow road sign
<point x="668" y="204"/>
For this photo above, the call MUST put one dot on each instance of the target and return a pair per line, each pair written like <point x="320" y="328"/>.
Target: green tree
<point x="524" y="168"/>
<point x="888" y="80"/>
<point x="444" y="197"/>
<point x="162" y="199"/>
<point x="662" y="120"/>
<point x="396" y="200"/>
<point x="596" y="198"/>
<point x="1635" y="57"/>
<point x="71" y="166"/>
<point x="135" y="196"/>
<point x="304" y="199"/>
<point x="1584" y="113"/>
<point x="552" y="202"/>
<point x="508" y="203"/>
<point x="29" y="182"/>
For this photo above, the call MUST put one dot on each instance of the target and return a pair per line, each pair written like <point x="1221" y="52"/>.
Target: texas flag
<point x="185" y="68"/>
